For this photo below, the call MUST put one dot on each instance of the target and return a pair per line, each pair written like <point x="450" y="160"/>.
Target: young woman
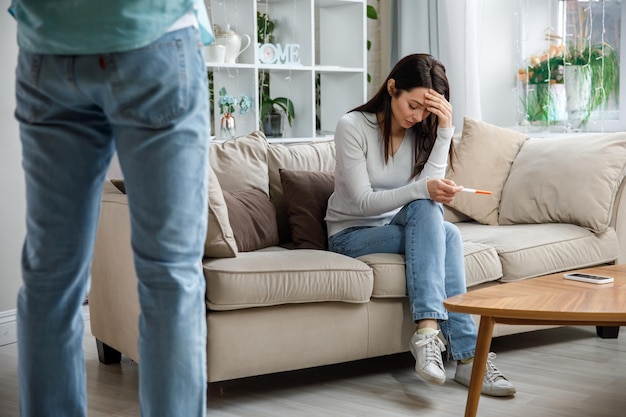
<point x="392" y="155"/>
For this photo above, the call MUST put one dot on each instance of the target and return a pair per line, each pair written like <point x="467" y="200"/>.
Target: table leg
<point x="483" y="343"/>
<point x="607" y="332"/>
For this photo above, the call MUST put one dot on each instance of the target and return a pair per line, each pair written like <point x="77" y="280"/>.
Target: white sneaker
<point x="426" y="349"/>
<point x="494" y="382"/>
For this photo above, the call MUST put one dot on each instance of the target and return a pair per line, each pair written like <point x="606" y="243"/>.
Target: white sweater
<point x="369" y="192"/>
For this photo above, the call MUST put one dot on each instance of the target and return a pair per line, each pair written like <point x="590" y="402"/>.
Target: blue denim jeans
<point x="151" y="105"/>
<point x="435" y="267"/>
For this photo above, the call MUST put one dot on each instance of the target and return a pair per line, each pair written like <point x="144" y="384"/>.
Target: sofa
<point x="278" y="300"/>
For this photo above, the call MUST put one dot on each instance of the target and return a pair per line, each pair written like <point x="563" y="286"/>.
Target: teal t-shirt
<point x="76" y="27"/>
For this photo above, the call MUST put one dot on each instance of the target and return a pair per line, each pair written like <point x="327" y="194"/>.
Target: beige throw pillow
<point x="220" y="240"/>
<point x="482" y="160"/>
<point x="240" y="163"/>
<point x="565" y="180"/>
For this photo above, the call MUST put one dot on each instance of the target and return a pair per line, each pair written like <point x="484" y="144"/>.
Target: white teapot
<point x="232" y="42"/>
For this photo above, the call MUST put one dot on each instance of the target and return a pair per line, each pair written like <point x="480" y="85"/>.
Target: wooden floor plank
<point x="562" y="372"/>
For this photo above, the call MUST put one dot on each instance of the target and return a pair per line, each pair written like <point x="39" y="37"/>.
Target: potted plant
<point x="589" y="74"/>
<point x="265" y="27"/>
<point x="591" y="68"/>
<point x="542" y="86"/>
<point x="272" y="110"/>
<point x="591" y="80"/>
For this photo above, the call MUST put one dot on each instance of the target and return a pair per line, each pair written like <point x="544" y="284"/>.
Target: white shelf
<point x="331" y="35"/>
<point x="284" y="67"/>
<point x="233" y="66"/>
<point x="336" y="68"/>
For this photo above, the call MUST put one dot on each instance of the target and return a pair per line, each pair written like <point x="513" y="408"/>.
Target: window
<point x="568" y="46"/>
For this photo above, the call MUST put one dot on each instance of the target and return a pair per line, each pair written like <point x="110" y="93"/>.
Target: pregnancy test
<point x="471" y="190"/>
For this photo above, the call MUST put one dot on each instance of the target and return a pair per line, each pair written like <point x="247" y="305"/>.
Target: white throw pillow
<point x="565" y="180"/>
<point x="482" y="160"/>
<point x="220" y="240"/>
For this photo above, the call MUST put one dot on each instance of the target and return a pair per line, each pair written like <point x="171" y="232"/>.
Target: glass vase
<point x="578" y="87"/>
<point x="544" y="104"/>
<point x="227" y="126"/>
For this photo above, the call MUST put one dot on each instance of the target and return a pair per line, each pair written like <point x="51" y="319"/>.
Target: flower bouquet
<point x="227" y="104"/>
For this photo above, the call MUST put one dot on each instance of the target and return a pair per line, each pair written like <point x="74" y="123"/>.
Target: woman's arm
<point x="437" y="162"/>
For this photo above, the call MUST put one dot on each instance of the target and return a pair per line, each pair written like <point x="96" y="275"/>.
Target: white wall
<point x="12" y="192"/>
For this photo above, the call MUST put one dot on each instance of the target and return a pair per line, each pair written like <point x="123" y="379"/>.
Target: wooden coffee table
<point x="549" y="300"/>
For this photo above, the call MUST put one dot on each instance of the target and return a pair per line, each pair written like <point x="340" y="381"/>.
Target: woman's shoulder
<point x="359" y="117"/>
<point x="356" y="120"/>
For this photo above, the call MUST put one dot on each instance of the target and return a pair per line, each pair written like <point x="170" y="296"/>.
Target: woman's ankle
<point x="427" y="324"/>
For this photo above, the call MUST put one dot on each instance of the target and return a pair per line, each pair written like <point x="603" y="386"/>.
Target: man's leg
<point x="66" y="151"/>
<point x="160" y="118"/>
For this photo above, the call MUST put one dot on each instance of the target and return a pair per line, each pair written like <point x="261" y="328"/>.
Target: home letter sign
<point x="270" y="53"/>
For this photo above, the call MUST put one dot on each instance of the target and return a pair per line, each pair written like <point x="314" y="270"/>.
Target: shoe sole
<point x="424" y="375"/>
<point x="504" y="392"/>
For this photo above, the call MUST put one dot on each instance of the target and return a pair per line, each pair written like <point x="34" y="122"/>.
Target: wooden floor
<point x="563" y="372"/>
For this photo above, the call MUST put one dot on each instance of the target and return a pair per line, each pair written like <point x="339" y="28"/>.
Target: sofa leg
<point x="106" y="354"/>
<point x="607" y="332"/>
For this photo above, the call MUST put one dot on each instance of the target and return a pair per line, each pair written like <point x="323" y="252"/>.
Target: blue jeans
<point x="435" y="267"/>
<point x="151" y="105"/>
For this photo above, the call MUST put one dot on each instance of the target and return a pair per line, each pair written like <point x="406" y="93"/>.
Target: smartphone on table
<point x="592" y="278"/>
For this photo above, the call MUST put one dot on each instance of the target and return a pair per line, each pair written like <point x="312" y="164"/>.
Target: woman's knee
<point x="453" y="234"/>
<point x="425" y="209"/>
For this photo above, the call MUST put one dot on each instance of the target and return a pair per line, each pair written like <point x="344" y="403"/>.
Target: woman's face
<point x="409" y="107"/>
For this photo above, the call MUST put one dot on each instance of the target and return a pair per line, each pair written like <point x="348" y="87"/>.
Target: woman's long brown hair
<point x="416" y="70"/>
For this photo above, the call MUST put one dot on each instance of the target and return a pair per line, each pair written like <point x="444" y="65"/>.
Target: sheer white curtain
<point x="458" y="28"/>
<point x="447" y="29"/>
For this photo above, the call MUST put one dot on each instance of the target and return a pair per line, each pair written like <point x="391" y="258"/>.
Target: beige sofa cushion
<point x="530" y="250"/>
<point x="565" y="180"/>
<point x="481" y="265"/>
<point x="241" y="163"/>
<point x="268" y="277"/>
<point x="482" y="160"/>
<point x="311" y="156"/>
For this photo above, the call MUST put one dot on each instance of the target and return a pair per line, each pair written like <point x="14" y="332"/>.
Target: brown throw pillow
<point x="306" y="196"/>
<point x="253" y="219"/>
<point x="119" y="183"/>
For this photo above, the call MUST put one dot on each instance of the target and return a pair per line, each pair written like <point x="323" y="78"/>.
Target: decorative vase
<point x="227" y="125"/>
<point x="578" y="91"/>
<point x="545" y="104"/>
<point x="273" y="125"/>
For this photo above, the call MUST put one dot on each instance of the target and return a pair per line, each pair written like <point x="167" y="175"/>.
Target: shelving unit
<point x="331" y="35"/>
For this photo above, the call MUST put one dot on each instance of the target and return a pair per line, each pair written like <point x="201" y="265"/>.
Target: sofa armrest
<point x="618" y="220"/>
<point x="113" y="300"/>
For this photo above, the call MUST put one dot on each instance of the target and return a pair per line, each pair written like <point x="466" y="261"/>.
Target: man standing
<point x="94" y="77"/>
